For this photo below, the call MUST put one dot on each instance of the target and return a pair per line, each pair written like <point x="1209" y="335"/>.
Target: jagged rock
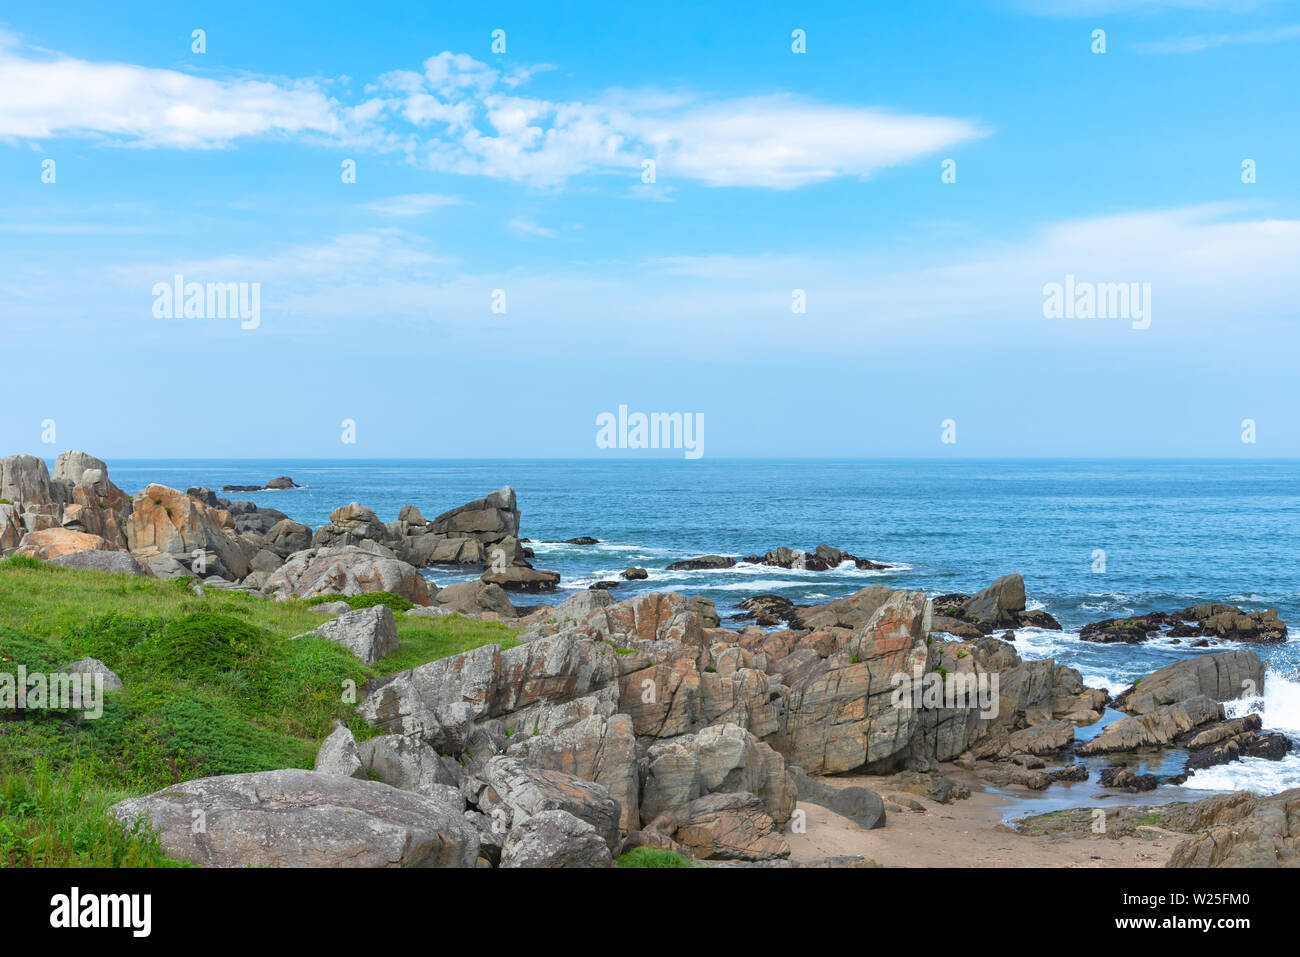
<point x="1207" y="621"/>
<point x="347" y="570"/>
<point x="767" y="610"/>
<point x="852" y="612"/>
<point x="729" y="825"/>
<point x="718" y="758"/>
<point x="296" y="818"/>
<point x="24" y="480"/>
<point x="407" y="762"/>
<point x="338" y="754"/>
<point x="1156" y="728"/>
<point x="596" y="746"/>
<point x="437" y="699"/>
<point x="1239" y="830"/>
<point x="998" y="605"/>
<point x="167" y="522"/>
<point x="526" y="791"/>
<point x="369" y="633"/>
<point x="487" y="520"/>
<point x="93" y="666"/>
<point x="1222" y="676"/>
<point x="555" y="839"/>
<point x="282" y="482"/>
<point x="286" y="537"/>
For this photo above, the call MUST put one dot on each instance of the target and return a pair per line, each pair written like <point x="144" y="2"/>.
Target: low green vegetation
<point x="367" y="600"/>
<point x="652" y="857"/>
<point x="211" y="685"/>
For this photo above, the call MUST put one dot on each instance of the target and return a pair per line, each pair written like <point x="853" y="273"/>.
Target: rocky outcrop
<point x="725" y="826"/>
<point x="704" y="562"/>
<point x="346" y="570"/>
<point x="167" y="523"/>
<point x="523" y="578"/>
<point x="1239" y="830"/>
<point x="820" y="559"/>
<point x="78" y="497"/>
<point x="1207" y="622"/>
<point x="296" y="818"/>
<point x="555" y="838"/>
<point x="719" y="758"/>
<point x="1001" y="605"/>
<point x="1157" y="728"/>
<point x="516" y="791"/>
<point x="1222" y="676"/>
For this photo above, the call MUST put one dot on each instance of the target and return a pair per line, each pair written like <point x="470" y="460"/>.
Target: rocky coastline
<point x="649" y="722"/>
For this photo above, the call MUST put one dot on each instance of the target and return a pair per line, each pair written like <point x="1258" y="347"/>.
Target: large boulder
<point x="998" y="605"/>
<point x="118" y="563"/>
<point x="24" y="480"/>
<point x="296" y="818"/>
<point x="346" y="570"/>
<point x="555" y="838"/>
<point x="719" y="758"/>
<point x="1222" y="676"/>
<point x="523" y="578"/>
<point x="597" y="746"/>
<point x="170" y="523"/>
<point x="861" y="805"/>
<point x="487" y="520"/>
<point x="338" y="754"/>
<point x="369" y="633"/>
<point x="724" y="826"/>
<point x="52" y="543"/>
<point x="521" y="791"/>
<point x="286" y="537"/>
<point x="476" y="599"/>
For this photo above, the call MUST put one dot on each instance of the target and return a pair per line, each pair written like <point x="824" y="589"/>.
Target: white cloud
<point x="1195" y="44"/>
<point x="41" y="98"/>
<point x="525" y="228"/>
<point x="412" y="204"/>
<point x="462" y="116"/>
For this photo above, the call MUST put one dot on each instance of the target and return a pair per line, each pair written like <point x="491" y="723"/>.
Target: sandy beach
<point x="965" y="833"/>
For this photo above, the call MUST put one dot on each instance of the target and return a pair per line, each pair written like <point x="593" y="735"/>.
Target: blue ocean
<point x="1093" y="538"/>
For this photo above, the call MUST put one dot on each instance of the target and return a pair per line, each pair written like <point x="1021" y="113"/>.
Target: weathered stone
<point x="724" y="826"/>
<point x="92" y="667"/>
<point x="117" y="563"/>
<point x="555" y="838"/>
<point x="347" y="570"/>
<point x="1222" y="676"/>
<point x="1156" y="728"/>
<point x="369" y="633"/>
<point x="296" y="818"/>
<point x="338" y="754"/>
<point x="525" y="791"/>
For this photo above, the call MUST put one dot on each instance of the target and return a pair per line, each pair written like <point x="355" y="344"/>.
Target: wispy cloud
<point x="1195" y="44"/>
<point x="525" y="228"/>
<point x="412" y="204"/>
<point x="460" y="115"/>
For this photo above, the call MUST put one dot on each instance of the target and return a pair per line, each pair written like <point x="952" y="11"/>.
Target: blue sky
<point x="774" y="171"/>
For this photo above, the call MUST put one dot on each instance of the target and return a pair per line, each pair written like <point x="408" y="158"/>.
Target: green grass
<point x="653" y="857"/>
<point x="212" y="685"/>
<point x="367" y="600"/>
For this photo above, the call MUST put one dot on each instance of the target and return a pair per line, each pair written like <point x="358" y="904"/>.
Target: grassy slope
<point x="212" y="686"/>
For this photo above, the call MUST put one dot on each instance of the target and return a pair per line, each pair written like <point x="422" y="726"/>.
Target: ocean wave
<point x="1249" y="774"/>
